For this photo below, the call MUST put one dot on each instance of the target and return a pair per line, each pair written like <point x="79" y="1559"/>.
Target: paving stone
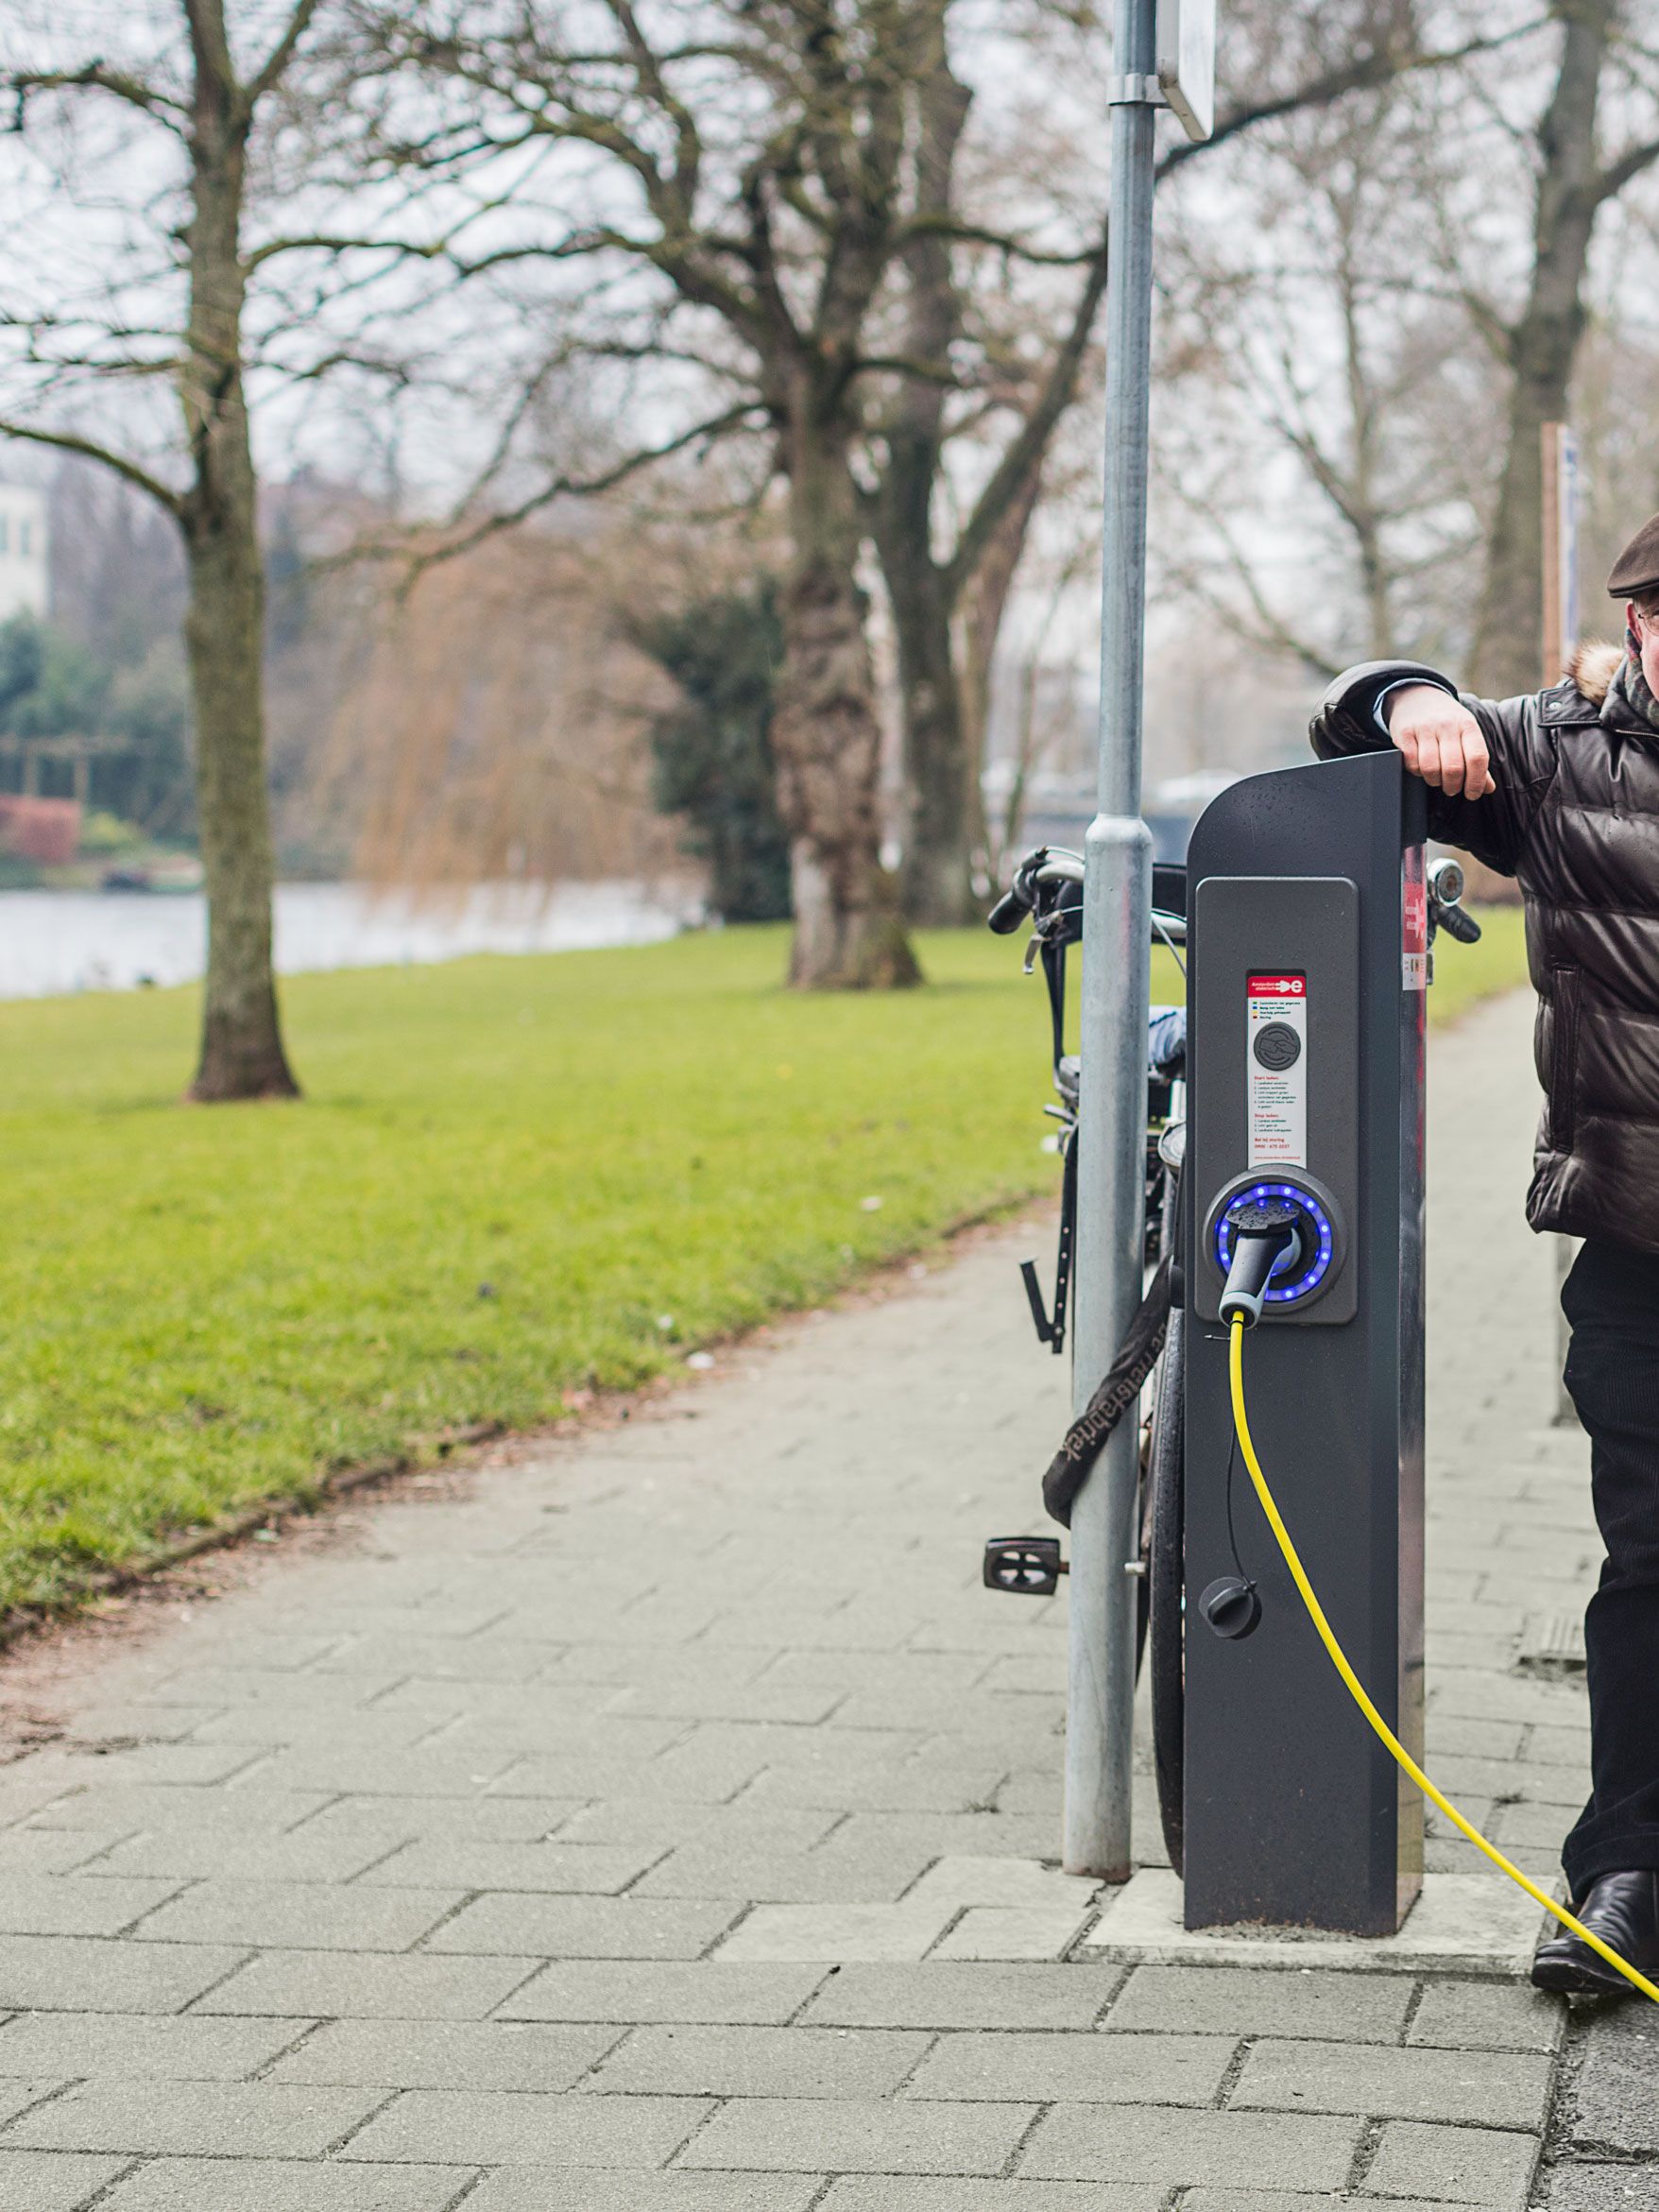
<point x="589" y="1776"/>
<point x="54" y="1973"/>
<point x="1126" y="2143"/>
<point x="340" y="1984"/>
<point x="948" y="1994"/>
<point x="1487" y="2015"/>
<point x="996" y="1932"/>
<point x="392" y="1658"/>
<point x="483" y="2127"/>
<point x="50" y="1904"/>
<point x="890" y="2193"/>
<point x="195" y="2118"/>
<point x="269" y="2184"/>
<point x="126" y="2046"/>
<point x="836" y="1932"/>
<point x="657" y="1824"/>
<point x="1611" y="2105"/>
<point x="278" y="1725"/>
<point x="761" y="2062"/>
<point x="224" y="1686"/>
<point x="1554" y="1745"/>
<point x="1248" y="2200"/>
<point x="1075" y="2069"/>
<point x="1242" y="2000"/>
<point x="1503" y="2090"/>
<point x="17" y="2095"/>
<point x="1453" y="2165"/>
<point x="185" y="1853"/>
<point x="52" y="2181"/>
<point x="872" y="1876"/>
<point x="26" y="1850"/>
<point x="895" y="1786"/>
<point x="176" y="1766"/>
<point x="444" y="2054"/>
<point x="521" y="2189"/>
<point x="806" y="2136"/>
<point x="321" y="1916"/>
<point x="587" y="1927"/>
<point x="1544" y="1826"/>
<point x="580" y="1869"/>
<point x="385" y="1822"/>
<point x="1588" y="2189"/>
<point x="449" y="1771"/>
<point x="977" y="1879"/>
<point x="625" y="1990"/>
<point x="127" y="1806"/>
<point x="955" y="1835"/>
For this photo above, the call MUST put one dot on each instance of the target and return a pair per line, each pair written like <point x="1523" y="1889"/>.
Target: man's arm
<point x="1486" y="762"/>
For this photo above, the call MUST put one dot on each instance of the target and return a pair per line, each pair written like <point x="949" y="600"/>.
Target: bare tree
<point x="732" y="187"/>
<point x="990" y="366"/>
<point x="1321" y="458"/>
<point x="495" y="729"/>
<point x="1574" y="180"/>
<point x="143" y="254"/>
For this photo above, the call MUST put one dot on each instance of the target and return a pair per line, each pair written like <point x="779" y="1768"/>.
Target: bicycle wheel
<point x="1164" y="1584"/>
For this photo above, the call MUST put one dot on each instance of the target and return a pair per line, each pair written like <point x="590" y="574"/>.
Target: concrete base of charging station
<point x="1468" y="1924"/>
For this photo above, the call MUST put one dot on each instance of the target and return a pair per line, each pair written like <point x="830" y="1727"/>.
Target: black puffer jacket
<point x="1575" y="818"/>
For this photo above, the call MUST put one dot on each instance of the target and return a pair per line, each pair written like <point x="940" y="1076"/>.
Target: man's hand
<point x="1440" y="740"/>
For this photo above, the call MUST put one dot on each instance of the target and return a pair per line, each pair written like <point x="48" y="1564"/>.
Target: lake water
<point x="53" y="941"/>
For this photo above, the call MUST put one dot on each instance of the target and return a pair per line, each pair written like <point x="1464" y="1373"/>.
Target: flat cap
<point x="1637" y="567"/>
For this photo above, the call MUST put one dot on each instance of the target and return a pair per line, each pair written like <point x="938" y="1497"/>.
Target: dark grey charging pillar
<point x="1305" y="895"/>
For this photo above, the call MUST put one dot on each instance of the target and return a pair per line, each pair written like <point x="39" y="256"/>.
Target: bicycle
<point x="1047" y="892"/>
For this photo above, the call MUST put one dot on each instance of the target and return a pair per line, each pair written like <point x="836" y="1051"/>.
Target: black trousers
<point x="1612" y="1299"/>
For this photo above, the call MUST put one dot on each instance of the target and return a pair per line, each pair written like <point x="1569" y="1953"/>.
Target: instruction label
<point x="1413" y="921"/>
<point x="1277" y="1054"/>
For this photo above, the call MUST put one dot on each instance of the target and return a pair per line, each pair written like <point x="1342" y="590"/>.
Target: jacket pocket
<point x="1564" y="1057"/>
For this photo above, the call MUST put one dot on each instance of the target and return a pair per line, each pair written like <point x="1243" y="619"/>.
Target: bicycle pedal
<point x="1024" y="1567"/>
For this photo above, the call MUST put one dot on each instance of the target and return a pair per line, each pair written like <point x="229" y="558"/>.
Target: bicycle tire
<point x="1164" y="1584"/>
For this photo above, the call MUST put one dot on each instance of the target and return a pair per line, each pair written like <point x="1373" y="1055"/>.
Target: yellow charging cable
<point x="1356" y="1689"/>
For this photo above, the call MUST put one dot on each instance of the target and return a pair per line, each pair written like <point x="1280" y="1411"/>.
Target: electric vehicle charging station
<point x="1307" y="969"/>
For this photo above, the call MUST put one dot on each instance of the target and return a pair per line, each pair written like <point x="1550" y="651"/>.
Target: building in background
<point x="22" y="551"/>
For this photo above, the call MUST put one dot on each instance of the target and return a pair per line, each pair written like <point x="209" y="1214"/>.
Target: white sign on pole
<point x="1186" y="63"/>
<point x="1567" y="485"/>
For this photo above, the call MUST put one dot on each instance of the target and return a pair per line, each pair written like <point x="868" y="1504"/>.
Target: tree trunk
<point x="941" y="764"/>
<point x="827" y="743"/>
<point x="941" y="767"/>
<point x="242" y="1055"/>
<point x="1508" y="647"/>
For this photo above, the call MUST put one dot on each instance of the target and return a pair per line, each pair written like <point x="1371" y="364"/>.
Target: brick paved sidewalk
<point x="661" y="1829"/>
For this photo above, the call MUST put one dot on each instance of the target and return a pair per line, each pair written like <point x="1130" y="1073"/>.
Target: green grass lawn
<point x="510" y="1178"/>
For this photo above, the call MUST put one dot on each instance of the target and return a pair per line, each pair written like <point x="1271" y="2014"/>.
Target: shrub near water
<point x="510" y="1178"/>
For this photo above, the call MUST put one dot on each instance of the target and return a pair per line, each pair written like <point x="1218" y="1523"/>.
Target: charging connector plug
<point x="1267" y="1240"/>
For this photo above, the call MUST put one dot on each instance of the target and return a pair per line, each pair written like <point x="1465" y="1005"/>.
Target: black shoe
<point x="1623" y="1909"/>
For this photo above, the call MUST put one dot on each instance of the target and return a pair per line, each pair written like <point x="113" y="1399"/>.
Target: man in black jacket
<point x="1561" y="790"/>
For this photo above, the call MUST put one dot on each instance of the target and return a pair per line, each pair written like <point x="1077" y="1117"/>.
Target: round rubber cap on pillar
<point x="1231" y="1607"/>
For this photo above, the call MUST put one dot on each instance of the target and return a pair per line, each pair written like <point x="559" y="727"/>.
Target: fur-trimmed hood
<point x="1593" y="667"/>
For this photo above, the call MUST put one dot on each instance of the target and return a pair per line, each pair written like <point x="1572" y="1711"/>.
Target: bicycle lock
<point x="1309" y="962"/>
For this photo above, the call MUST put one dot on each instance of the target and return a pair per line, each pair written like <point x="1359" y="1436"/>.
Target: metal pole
<point x="1100" y="1706"/>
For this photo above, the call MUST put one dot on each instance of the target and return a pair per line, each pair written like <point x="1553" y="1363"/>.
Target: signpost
<point x="1163" y="53"/>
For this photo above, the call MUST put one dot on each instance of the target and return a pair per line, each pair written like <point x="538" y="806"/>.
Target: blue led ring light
<point x="1316" y="1269"/>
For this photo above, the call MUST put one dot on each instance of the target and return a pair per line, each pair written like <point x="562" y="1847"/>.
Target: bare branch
<point x="416" y="561"/>
<point x="68" y="442"/>
<point x="98" y="76"/>
<point x="270" y="73"/>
